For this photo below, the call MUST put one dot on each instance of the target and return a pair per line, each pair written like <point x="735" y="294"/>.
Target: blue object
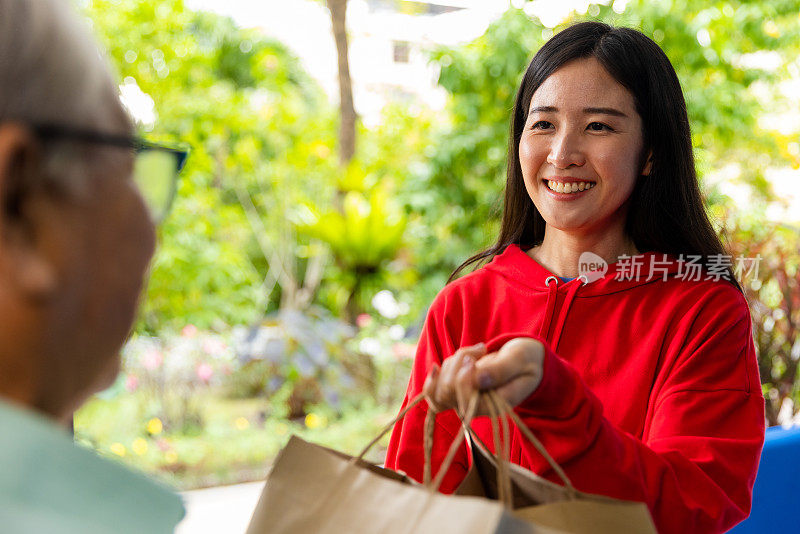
<point x="776" y="494"/>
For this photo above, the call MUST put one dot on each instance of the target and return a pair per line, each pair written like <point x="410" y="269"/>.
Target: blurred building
<point x="388" y="40"/>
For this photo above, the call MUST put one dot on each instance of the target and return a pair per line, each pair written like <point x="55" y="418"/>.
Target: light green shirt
<point x="50" y="485"/>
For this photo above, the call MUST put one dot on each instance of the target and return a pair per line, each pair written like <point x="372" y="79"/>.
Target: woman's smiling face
<point x="582" y="134"/>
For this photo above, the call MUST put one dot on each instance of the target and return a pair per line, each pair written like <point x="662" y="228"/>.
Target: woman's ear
<point x="648" y="164"/>
<point x="25" y="266"/>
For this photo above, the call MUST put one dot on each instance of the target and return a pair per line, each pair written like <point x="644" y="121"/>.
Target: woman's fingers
<point x="429" y="388"/>
<point x="515" y="371"/>
<point x="444" y="394"/>
<point x="518" y="389"/>
<point x="465" y="383"/>
<point x="442" y="390"/>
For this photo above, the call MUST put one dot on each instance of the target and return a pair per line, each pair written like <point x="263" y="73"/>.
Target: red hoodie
<point x="650" y="390"/>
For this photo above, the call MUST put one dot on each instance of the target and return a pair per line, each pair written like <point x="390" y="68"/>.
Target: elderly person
<point x="75" y="241"/>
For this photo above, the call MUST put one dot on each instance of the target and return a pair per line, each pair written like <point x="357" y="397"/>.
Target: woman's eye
<point x="599" y="127"/>
<point x="541" y="125"/>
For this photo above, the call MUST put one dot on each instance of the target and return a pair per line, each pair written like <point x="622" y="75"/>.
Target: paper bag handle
<point x="503" y="477"/>
<point x="498" y="423"/>
<point x="497" y="404"/>
<point x="501" y="407"/>
<point x="507" y="409"/>
<point x="502" y="438"/>
<point x="416" y="400"/>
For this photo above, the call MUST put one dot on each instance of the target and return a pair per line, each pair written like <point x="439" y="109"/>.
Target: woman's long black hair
<point x="666" y="211"/>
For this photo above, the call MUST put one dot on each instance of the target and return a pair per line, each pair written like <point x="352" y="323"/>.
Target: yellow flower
<point x="771" y="29"/>
<point x="321" y="150"/>
<point x="118" y="449"/>
<point x="171" y="457"/>
<point x="281" y="429"/>
<point x="155" y="426"/>
<point x="139" y="446"/>
<point x="315" y="421"/>
<point x="241" y="423"/>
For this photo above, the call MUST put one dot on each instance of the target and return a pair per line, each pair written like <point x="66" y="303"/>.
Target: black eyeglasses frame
<point x="137" y="144"/>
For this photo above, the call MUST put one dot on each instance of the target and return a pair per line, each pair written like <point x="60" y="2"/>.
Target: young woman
<point x="640" y="375"/>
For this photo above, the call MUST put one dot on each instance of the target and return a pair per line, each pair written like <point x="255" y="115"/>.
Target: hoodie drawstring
<point x="551" y="306"/>
<point x="562" y="316"/>
<point x="552" y="292"/>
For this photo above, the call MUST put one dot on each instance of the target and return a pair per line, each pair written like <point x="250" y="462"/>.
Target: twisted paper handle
<point x="507" y="409"/>
<point x="498" y="409"/>
<point x="416" y="400"/>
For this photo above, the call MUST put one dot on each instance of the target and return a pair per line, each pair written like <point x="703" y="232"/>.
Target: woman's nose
<point x="565" y="151"/>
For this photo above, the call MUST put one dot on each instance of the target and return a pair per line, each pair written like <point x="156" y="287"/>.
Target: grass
<point x="236" y="443"/>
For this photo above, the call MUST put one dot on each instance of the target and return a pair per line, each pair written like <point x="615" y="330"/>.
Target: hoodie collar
<point x="621" y="275"/>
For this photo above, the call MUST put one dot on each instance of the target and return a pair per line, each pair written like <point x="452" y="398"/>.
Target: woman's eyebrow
<point x="589" y="111"/>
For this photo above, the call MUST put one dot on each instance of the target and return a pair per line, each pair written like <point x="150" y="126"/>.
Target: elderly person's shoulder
<point x="51" y="485"/>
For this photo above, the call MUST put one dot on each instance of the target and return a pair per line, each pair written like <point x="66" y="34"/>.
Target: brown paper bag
<point x="543" y="503"/>
<point x="312" y="489"/>
<point x="531" y="497"/>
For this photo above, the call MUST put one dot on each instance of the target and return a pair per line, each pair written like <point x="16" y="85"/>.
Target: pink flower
<point x="189" y="330"/>
<point x="152" y="359"/>
<point x="204" y="372"/>
<point x="402" y="351"/>
<point x="163" y="445"/>
<point x="213" y="346"/>
<point x="131" y="383"/>
<point x="363" y="320"/>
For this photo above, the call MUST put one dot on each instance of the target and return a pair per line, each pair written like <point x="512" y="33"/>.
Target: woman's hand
<point x="514" y="372"/>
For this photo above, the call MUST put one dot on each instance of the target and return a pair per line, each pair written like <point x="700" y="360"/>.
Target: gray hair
<point x="51" y="72"/>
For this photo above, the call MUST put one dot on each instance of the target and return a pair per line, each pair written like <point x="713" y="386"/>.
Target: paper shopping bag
<point x="314" y="490"/>
<point x="542" y="502"/>
<point x="546" y="504"/>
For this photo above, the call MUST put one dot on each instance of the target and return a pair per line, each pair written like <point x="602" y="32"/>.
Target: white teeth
<point x="571" y="187"/>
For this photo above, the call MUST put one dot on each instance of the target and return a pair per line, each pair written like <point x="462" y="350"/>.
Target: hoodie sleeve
<point x="696" y="463"/>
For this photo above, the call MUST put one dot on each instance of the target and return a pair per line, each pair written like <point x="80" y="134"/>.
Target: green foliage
<point x="364" y="235"/>
<point x="772" y="288"/>
<point x="459" y="197"/>
<point x="258" y="126"/>
<point x="719" y="87"/>
<point x="262" y="162"/>
<point x="237" y="445"/>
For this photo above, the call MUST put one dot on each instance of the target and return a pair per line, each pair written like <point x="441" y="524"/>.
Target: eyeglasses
<point x="156" y="167"/>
